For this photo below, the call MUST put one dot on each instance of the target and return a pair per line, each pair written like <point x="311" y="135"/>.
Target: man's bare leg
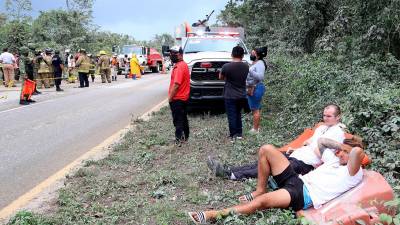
<point x="270" y="162"/>
<point x="276" y="199"/>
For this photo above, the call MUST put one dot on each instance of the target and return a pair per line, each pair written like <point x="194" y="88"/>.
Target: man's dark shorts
<point x="290" y="181"/>
<point x="299" y="166"/>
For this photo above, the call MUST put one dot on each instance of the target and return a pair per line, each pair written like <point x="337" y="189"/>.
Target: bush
<point x="367" y="89"/>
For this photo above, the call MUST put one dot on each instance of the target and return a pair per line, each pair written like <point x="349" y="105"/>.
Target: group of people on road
<point x="326" y="166"/>
<point x="46" y="69"/>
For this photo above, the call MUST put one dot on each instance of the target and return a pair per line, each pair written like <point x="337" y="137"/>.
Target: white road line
<point x="26" y="106"/>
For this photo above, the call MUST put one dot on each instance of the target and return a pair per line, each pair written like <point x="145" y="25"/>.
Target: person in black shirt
<point x="58" y="68"/>
<point x="235" y="74"/>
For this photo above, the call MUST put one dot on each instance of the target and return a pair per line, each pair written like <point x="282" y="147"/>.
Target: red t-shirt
<point x="180" y="75"/>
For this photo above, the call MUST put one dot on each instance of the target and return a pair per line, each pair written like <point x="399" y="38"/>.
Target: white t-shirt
<point x="329" y="181"/>
<point x="7" y="58"/>
<point x="307" y="154"/>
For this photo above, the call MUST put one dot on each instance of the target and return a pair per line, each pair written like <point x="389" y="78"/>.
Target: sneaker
<point x="23" y="102"/>
<point x="254" y="131"/>
<point x="59" y="89"/>
<point x="31" y="101"/>
<point x="178" y="143"/>
<point x="218" y="169"/>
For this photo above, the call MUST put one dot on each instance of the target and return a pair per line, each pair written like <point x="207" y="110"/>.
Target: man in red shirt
<point x="178" y="95"/>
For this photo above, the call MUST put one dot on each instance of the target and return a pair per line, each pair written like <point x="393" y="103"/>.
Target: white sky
<point x="141" y="19"/>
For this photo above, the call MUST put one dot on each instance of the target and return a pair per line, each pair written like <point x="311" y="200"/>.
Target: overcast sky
<point x="141" y="19"/>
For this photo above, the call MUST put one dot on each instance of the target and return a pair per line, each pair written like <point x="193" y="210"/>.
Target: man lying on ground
<point x="303" y="159"/>
<point x="331" y="179"/>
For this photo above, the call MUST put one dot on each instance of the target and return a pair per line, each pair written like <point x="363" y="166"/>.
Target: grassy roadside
<point x="147" y="180"/>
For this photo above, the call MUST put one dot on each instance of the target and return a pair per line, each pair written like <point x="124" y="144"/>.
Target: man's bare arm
<point x="324" y="143"/>
<point x="221" y="76"/>
<point x="173" y="92"/>
<point x="355" y="158"/>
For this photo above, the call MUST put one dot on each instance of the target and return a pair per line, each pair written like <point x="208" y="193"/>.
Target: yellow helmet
<point x="102" y="52"/>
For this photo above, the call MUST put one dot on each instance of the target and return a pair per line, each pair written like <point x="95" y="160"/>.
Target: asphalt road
<point x="38" y="140"/>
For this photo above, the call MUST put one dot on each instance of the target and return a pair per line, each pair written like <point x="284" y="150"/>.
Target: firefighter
<point x="104" y="65"/>
<point x="44" y="68"/>
<point x="83" y="64"/>
<point x="35" y="70"/>
<point x="135" y="67"/>
<point x="26" y="72"/>
<point x="92" y="70"/>
<point x="51" y="68"/>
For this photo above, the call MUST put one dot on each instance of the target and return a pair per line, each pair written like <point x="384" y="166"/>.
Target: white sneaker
<point x="254" y="131"/>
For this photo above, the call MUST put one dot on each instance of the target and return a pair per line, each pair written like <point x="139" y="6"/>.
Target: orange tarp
<point x="308" y="133"/>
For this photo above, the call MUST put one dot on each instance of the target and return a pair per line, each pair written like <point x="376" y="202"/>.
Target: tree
<point x="15" y="34"/>
<point x="82" y="6"/>
<point x="18" y="9"/>
<point x="61" y="28"/>
<point x="160" y="40"/>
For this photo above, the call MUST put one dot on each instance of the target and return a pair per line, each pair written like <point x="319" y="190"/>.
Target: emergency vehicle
<point x="149" y="58"/>
<point x="206" y="50"/>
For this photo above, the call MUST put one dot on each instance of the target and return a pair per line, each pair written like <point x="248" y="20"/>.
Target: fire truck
<point x="149" y="58"/>
<point x="206" y="50"/>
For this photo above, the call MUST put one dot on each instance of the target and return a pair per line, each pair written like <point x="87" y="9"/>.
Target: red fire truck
<point x="149" y="58"/>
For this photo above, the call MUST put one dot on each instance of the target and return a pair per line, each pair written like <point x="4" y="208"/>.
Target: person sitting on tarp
<point x="303" y="160"/>
<point x="333" y="178"/>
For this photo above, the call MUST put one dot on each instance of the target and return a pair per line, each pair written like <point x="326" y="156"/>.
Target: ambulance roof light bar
<point x="224" y="33"/>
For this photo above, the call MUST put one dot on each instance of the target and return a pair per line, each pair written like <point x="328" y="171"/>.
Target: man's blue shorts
<point x="255" y="100"/>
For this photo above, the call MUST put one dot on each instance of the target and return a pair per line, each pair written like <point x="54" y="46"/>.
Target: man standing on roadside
<point x="58" y="67"/>
<point x="44" y="71"/>
<point x="83" y="64"/>
<point x="26" y="72"/>
<point x="8" y="61"/>
<point x="104" y="64"/>
<point x="35" y="70"/>
<point x="178" y="95"/>
<point x="235" y="74"/>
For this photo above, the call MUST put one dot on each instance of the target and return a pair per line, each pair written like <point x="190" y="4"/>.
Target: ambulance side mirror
<point x="165" y="50"/>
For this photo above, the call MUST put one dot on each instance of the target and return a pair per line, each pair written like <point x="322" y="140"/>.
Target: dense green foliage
<point x="332" y="51"/>
<point x="70" y="28"/>
<point x="352" y="27"/>
<point x="346" y="52"/>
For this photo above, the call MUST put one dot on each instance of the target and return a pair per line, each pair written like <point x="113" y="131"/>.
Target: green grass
<point x="148" y="180"/>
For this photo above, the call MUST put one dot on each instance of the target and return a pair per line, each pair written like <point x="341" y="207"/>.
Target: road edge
<point x="56" y="181"/>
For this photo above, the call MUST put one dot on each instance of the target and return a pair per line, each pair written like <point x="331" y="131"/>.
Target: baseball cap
<point x="176" y="49"/>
